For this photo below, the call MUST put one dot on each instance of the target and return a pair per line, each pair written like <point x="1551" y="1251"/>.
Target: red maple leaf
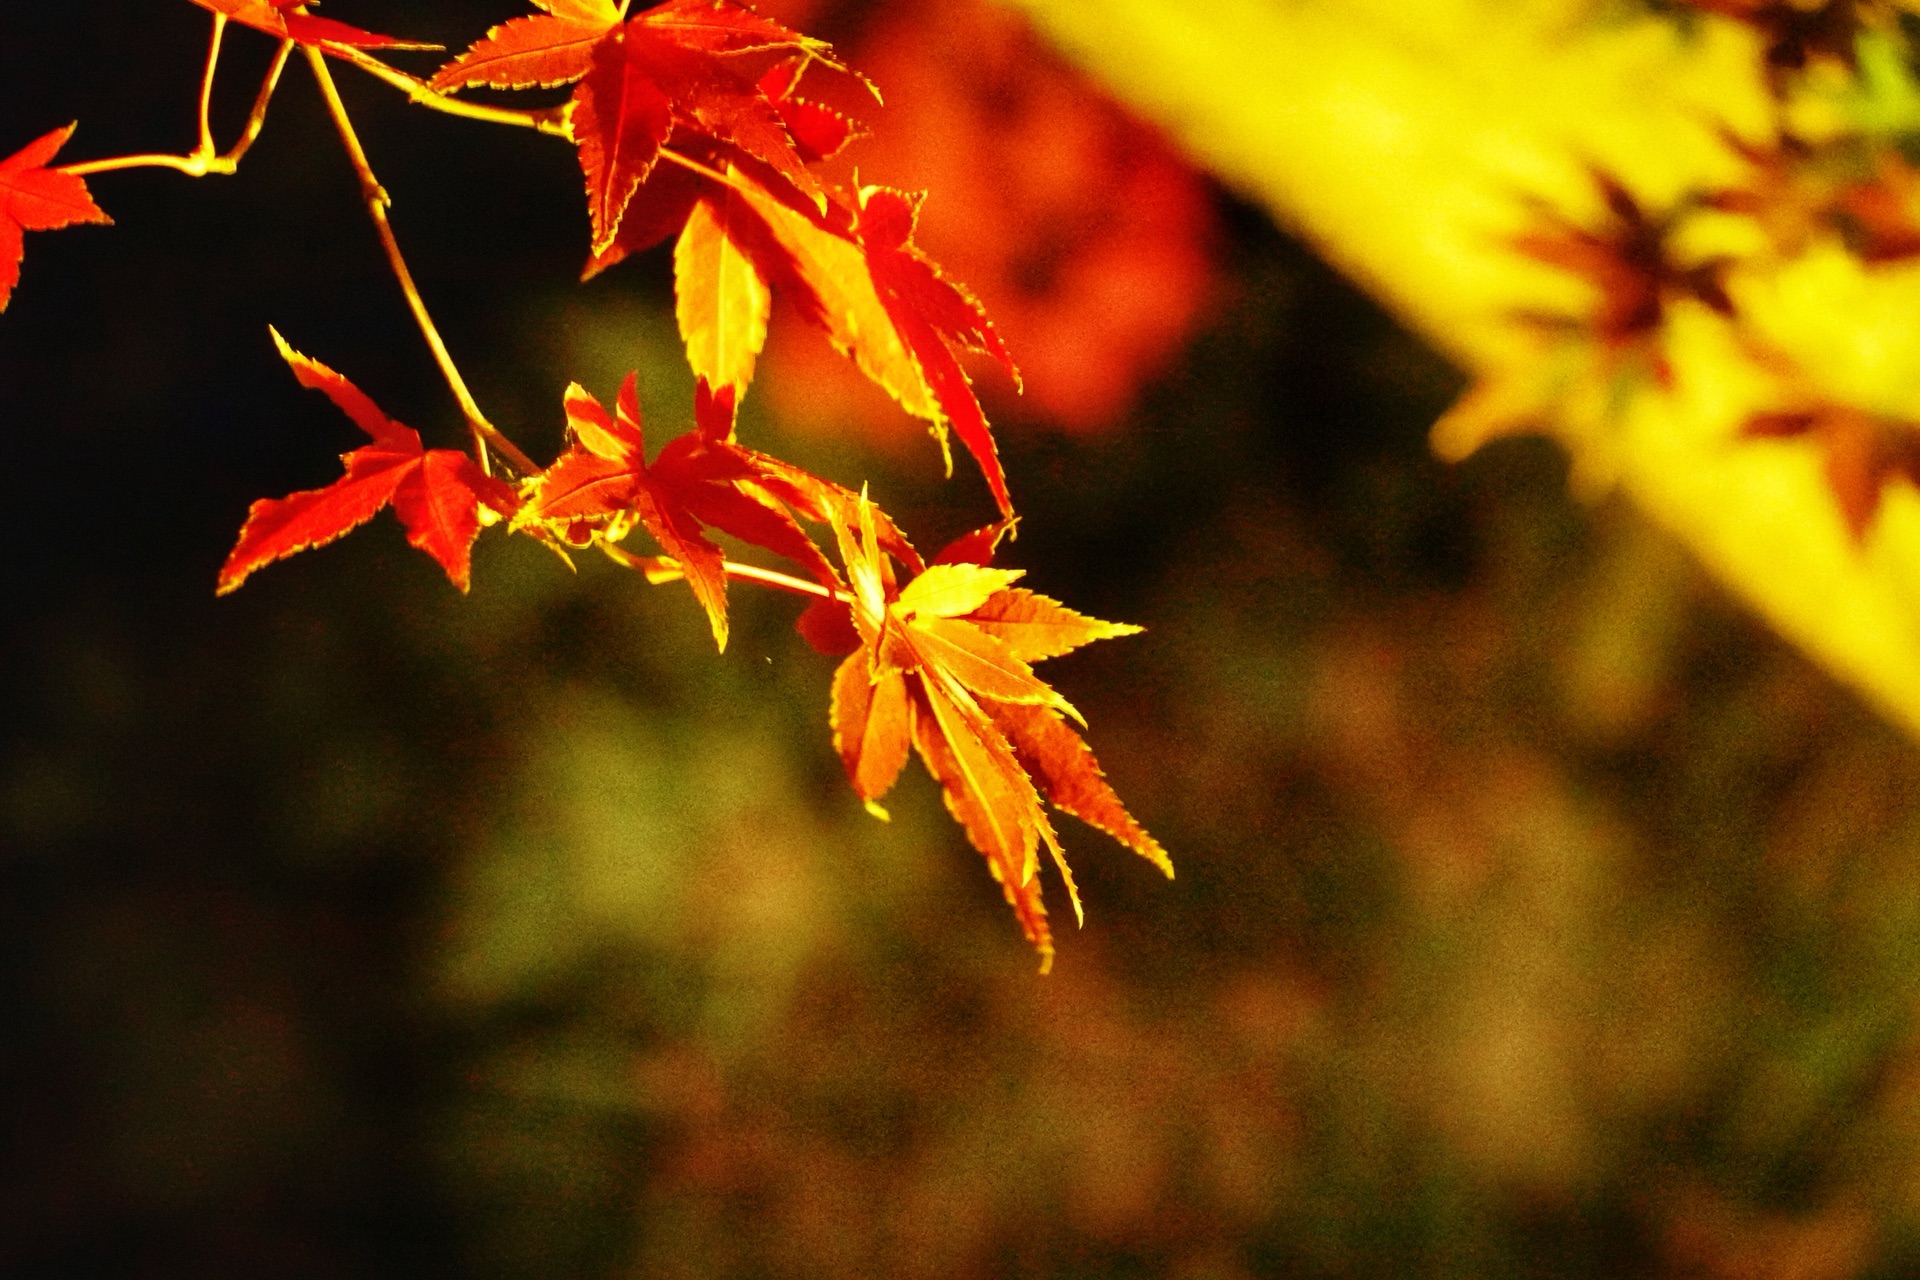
<point x="439" y="494"/>
<point x="36" y="198"/>
<point x="818" y="131"/>
<point x="602" y="487"/>
<point x="669" y="67"/>
<point x="933" y="314"/>
<point x="852" y="269"/>
<point x="285" y="20"/>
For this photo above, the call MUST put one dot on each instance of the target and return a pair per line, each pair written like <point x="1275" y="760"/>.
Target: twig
<point x="202" y="160"/>
<point x="376" y="200"/>
<point x="663" y="569"/>
<point x="206" y="86"/>
<point x="421" y="93"/>
<point x="257" y="118"/>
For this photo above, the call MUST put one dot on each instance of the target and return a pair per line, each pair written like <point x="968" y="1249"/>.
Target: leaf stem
<point x="781" y="581"/>
<point x="202" y="161"/>
<point x="194" y="166"/>
<point x="661" y="569"/>
<point x="206" y="86"/>
<point x="704" y="170"/>
<point x="420" y="93"/>
<point x="377" y="200"/>
<point x="257" y="118"/>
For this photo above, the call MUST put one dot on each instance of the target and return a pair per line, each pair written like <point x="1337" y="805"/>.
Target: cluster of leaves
<point x="1854" y="187"/>
<point x="690" y="124"/>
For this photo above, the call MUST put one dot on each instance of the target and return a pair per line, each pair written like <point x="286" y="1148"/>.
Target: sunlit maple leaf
<point x="672" y="66"/>
<point x="1877" y="217"/>
<point x="1862" y="452"/>
<point x="283" y="19"/>
<point x="36" y="198"/>
<point x="621" y="116"/>
<point x="722" y="301"/>
<point x="854" y="272"/>
<point x="932" y="315"/>
<point x="441" y="496"/>
<point x="1629" y="261"/>
<point x="603" y="487"/>
<point x="941" y="666"/>
<point x="540" y="51"/>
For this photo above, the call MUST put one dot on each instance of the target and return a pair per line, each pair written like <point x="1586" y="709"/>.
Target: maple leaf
<point x="722" y="301"/>
<point x="284" y="20"/>
<point x="855" y="272"/>
<point x="1877" y="216"/>
<point x="621" y="117"/>
<point x="541" y="51"/>
<point x="941" y="667"/>
<point x="1868" y="195"/>
<point x="36" y="198"/>
<point x="818" y="131"/>
<point x="441" y="496"/>
<point x="667" y="67"/>
<point x="933" y="314"/>
<point x="602" y="487"/>
<point x="1864" y="453"/>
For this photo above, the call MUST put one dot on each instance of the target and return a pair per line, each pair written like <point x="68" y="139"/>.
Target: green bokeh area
<point x="1539" y="914"/>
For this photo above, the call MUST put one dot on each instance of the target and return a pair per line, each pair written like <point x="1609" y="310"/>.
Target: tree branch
<point x="202" y="160"/>
<point x="376" y="200"/>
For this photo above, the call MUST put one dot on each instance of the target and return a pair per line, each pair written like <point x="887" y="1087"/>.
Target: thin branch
<point x="420" y="93"/>
<point x="688" y="162"/>
<point x="202" y="161"/>
<point x="194" y="166"/>
<point x="376" y="200"/>
<point x="664" y="569"/>
<point x="257" y="118"/>
<point x="206" y="86"/>
<point x="781" y="581"/>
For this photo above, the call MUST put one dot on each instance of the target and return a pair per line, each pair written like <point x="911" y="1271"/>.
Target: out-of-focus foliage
<point x="1541" y="913"/>
<point x="1415" y="144"/>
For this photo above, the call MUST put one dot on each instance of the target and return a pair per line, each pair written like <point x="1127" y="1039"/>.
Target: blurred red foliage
<point x="1088" y="238"/>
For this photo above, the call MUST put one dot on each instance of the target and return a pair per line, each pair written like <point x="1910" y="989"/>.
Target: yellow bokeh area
<point x="1410" y="143"/>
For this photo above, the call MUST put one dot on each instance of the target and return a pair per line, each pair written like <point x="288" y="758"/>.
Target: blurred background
<point x="1539" y="913"/>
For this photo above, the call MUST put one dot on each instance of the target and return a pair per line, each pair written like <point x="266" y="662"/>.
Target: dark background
<point x="1538" y="913"/>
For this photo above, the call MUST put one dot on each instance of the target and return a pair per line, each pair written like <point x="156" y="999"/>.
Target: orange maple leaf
<point x="36" y="198"/>
<point x="941" y="666"/>
<point x="440" y="495"/>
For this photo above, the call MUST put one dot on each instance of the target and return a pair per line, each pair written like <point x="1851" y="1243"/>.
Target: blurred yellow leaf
<point x="1413" y="143"/>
